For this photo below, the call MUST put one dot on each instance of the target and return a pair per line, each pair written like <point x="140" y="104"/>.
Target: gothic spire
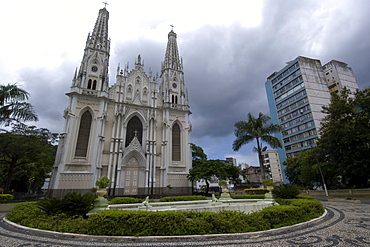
<point x="171" y="59"/>
<point x="99" y="39"/>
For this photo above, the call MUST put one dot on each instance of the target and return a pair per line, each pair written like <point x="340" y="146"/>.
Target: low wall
<point x="345" y="192"/>
<point x="243" y="205"/>
<point x="6" y="207"/>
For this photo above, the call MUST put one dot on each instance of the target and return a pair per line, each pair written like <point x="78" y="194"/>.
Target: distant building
<point x="272" y="166"/>
<point x="339" y="75"/>
<point x="296" y="95"/>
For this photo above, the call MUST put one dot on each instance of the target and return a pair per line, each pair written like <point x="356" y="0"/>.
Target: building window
<point x="134" y="128"/>
<point x="89" y="84"/>
<point x="176" y="143"/>
<point x="83" y="135"/>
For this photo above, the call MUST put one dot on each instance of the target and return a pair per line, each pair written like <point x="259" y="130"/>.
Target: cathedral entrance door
<point x="131" y="179"/>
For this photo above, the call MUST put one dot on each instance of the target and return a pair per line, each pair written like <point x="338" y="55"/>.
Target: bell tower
<point x="92" y="76"/>
<point x="173" y="89"/>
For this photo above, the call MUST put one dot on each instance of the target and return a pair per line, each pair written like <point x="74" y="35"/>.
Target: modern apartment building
<point x="296" y="95"/>
<point x="272" y="166"/>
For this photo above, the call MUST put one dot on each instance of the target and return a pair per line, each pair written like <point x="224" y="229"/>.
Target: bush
<point x="145" y="223"/>
<point x="286" y="191"/>
<point x="182" y="198"/>
<point x="72" y="204"/>
<point x="256" y="191"/>
<point x="77" y="204"/>
<point x="50" y="206"/>
<point x="28" y="214"/>
<point x="5" y="197"/>
<point x="125" y="200"/>
<point x="248" y="197"/>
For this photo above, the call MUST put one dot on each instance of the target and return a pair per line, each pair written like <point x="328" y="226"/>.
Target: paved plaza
<point x="345" y="224"/>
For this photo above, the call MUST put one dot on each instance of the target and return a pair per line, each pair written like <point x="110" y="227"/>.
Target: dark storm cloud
<point x="47" y="88"/>
<point x="226" y="66"/>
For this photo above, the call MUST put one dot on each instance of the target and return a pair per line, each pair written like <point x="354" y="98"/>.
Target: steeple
<point x="172" y="59"/>
<point x="173" y="90"/>
<point x="92" y="77"/>
<point x="99" y="39"/>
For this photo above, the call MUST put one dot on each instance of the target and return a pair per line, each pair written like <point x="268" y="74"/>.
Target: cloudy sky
<point x="229" y="48"/>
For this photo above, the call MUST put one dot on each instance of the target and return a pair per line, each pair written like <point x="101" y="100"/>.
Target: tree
<point x="257" y="129"/>
<point x="12" y="105"/>
<point x="197" y="152"/>
<point x="345" y="137"/>
<point x="26" y="156"/>
<point x="207" y="169"/>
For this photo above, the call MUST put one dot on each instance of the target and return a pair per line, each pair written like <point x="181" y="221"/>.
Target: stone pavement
<point x="345" y="224"/>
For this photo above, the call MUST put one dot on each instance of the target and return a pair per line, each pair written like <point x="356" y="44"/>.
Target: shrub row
<point x="248" y="197"/>
<point x="125" y="200"/>
<point x="182" y="198"/>
<point x="256" y="191"/>
<point x="145" y="223"/>
<point x="5" y="197"/>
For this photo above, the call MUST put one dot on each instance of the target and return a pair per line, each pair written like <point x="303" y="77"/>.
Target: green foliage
<point x="26" y="158"/>
<point x="256" y="191"/>
<point x="78" y="204"/>
<point x="197" y="152"/>
<point x="344" y="140"/>
<point x="13" y="107"/>
<point x="248" y="196"/>
<point x="342" y="151"/>
<point x="103" y="182"/>
<point x="267" y="182"/>
<point x="72" y="204"/>
<point x="182" y="198"/>
<point x="169" y="223"/>
<point x="29" y="214"/>
<point x="258" y="129"/>
<point x="5" y="198"/>
<point x="286" y="191"/>
<point x="50" y="206"/>
<point x="125" y="200"/>
<point x="206" y="169"/>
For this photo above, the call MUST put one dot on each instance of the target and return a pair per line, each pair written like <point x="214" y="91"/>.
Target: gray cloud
<point x="226" y="67"/>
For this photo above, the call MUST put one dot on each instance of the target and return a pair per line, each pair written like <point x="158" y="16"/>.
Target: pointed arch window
<point x="134" y="127"/>
<point x="89" y="83"/>
<point x="94" y="85"/>
<point x="176" y="142"/>
<point x="83" y="135"/>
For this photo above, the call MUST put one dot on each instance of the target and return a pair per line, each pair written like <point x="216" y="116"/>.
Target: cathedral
<point x="136" y="131"/>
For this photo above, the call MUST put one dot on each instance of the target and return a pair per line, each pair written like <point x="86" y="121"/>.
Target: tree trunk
<point x="9" y="176"/>
<point x="260" y="159"/>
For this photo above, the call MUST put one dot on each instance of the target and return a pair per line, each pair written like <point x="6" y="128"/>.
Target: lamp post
<point x="322" y="177"/>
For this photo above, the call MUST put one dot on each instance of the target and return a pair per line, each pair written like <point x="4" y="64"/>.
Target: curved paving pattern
<point x="344" y="225"/>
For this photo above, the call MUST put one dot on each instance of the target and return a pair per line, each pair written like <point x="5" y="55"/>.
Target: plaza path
<point x="345" y="224"/>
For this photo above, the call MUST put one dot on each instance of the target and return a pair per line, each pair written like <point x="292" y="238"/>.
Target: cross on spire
<point x="105" y="4"/>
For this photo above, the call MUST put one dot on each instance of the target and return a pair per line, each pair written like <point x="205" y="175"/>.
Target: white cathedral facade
<point x="136" y="131"/>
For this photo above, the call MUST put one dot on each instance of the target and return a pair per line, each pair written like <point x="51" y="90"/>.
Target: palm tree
<point x="12" y="105"/>
<point x="257" y="129"/>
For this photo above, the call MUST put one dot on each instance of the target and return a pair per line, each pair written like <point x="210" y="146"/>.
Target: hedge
<point x="5" y="197"/>
<point x="248" y="196"/>
<point x="125" y="200"/>
<point x="169" y="223"/>
<point x="257" y="191"/>
<point x="182" y="198"/>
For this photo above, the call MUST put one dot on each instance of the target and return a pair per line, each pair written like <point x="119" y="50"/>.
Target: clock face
<point x="174" y="85"/>
<point x="94" y="68"/>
